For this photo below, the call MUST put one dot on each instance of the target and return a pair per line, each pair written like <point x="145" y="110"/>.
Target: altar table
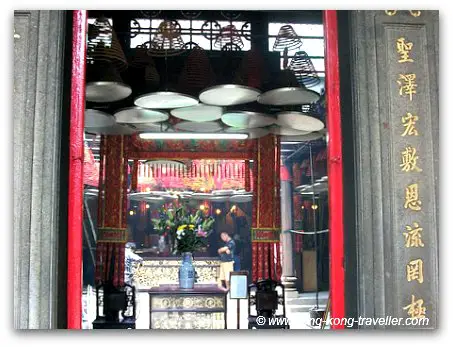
<point x="203" y="307"/>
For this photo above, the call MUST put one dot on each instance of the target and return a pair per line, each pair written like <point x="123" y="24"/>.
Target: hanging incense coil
<point x="310" y="109"/>
<point x="197" y="73"/>
<point x="287" y="78"/>
<point x="103" y="45"/>
<point x="251" y="71"/>
<point x="304" y="69"/>
<point x="229" y="39"/>
<point x="168" y="40"/>
<point x="104" y="83"/>
<point x="152" y="77"/>
<point x="227" y="67"/>
<point x="287" y="39"/>
<point x="139" y="57"/>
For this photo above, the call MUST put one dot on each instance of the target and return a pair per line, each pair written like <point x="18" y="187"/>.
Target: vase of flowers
<point x="188" y="233"/>
<point x="189" y="239"/>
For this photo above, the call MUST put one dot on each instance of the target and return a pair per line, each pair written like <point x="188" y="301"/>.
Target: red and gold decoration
<point x="193" y="149"/>
<point x="112" y="219"/>
<point x="266" y="210"/>
<point x="204" y="175"/>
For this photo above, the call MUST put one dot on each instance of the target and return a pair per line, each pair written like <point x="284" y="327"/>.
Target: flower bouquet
<point x="186" y="232"/>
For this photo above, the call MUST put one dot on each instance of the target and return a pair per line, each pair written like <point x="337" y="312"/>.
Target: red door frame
<point x="76" y="156"/>
<point x="75" y="196"/>
<point x="334" y="167"/>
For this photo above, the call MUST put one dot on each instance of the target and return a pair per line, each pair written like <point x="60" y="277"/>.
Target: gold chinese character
<point x="409" y="121"/>
<point x="414" y="236"/>
<point x="416" y="309"/>
<point x="409" y="160"/>
<point x="414" y="271"/>
<point x="412" y="200"/>
<point x="403" y="49"/>
<point x="407" y="85"/>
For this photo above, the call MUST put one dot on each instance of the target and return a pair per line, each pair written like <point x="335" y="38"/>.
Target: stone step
<point x="302" y="308"/>
<point x="305" y="301"/>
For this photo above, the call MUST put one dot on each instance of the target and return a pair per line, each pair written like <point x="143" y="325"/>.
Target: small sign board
<point x="238" y="284"/>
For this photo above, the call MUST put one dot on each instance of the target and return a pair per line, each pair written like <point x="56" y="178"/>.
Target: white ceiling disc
<point x="246" y="119"/>
<point x="140" y="115"/>
<point x="288" y="96"/>
<point x="299" y="121"/>
<point x="115" y="129"/>
<point x="104" y="91"/>
<point x="98" y="119"/>
<point x="229" y="95"/>
<point x="198" y="113"/>
<point x="204" y="127"/>
<point x="277" y="130"/>
<point x="253" y="133"/>
<point x="165" y="100"/>
<point x="241" y="198"/>
<point x="301" y="138"/>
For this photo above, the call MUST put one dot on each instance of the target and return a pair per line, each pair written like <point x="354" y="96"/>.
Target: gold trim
<point x="268" y="229"/>
<point x="390" y="12"/>
<point x="265" y="241"/>
<point x="112" y="235"/>
<point x="275" y="237"/>
<point x="163" y="272"/>
<point x="415" y="13"/>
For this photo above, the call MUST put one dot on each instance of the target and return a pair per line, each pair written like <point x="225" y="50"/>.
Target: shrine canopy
<point x="194" y="175"/>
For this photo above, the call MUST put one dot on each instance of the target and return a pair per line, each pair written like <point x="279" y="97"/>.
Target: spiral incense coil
<point x="168" y="40"/>
<point x="304" y="69"/>
<point x="229" y="37"/>
<point x="104" y="83"/>
<point x="287" y="78"/>
<point x="288" y="91"/>
<point x="251" y="71"/>
<point x="310" y="109"/>
<point x="287" y="38"/>
<point x="152" y="77"/>
<point x="103" y="45"/>
<point x="197" y="73"/>
<point x="140" y="57"/>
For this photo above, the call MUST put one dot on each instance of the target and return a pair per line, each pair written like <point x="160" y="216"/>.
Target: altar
<point x="159" y="271"/>
<point x="203" y="307"/>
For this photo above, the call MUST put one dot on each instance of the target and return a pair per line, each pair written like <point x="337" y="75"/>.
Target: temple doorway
<point x="261" y="173"/>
